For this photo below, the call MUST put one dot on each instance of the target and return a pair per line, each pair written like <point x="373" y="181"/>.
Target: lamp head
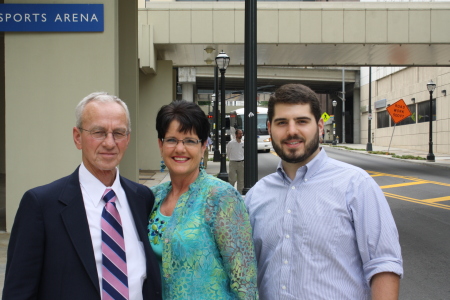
<point x="431" y="86"/>
<point x="334" y="103"/>
<point x="222" y="61"/>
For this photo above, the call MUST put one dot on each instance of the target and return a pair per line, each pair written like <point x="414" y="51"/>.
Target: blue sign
<point x="51" y="17"/>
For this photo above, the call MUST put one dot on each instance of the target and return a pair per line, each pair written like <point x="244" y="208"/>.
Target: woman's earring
<point x="163" y="166"/>
<point x="201" y="164"/>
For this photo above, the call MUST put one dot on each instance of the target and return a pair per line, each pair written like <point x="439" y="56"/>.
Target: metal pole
<point x="223" y="155"/>
<point x="250" y="117"/>
<point x="430" y="156"/>
<point x="334" y="126"/>
<point x="343" y="105"/>
<point x="216" y="156"/>
<point x="369" y="130"/>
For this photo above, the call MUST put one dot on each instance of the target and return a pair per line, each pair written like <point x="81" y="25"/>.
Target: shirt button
<point x="288" y="211"/>
<point x="306" y="180"/>
<point x="283" y="287"/>
<point x="285" y="262"/>
<point x="287" y="236"/>
<point x="166" y="240"/>
<point x="293" y="187"/>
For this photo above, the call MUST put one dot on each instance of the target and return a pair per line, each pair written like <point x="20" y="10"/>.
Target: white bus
<point x="263" y="137"/>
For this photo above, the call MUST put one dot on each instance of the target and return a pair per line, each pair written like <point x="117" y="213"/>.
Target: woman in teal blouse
<point x="199" y="226"/>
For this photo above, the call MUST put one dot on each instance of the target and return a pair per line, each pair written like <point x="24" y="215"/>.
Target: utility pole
<point x="369" y="142"/>
<point x="343" y="105"/>
<point x="250" y="117"/>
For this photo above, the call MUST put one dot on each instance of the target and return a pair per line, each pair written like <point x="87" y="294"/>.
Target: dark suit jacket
<point x="50" y="255"/>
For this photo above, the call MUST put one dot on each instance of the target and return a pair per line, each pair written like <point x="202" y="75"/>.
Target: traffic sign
<point x="398" y="111"/>
<point x="325" y="117"/>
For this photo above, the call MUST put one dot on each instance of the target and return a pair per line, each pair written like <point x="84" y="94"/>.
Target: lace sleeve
<point x="233" y="235"/>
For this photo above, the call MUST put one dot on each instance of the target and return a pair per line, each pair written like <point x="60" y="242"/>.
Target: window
<point x="423" y="111"/>
<point x="412" y="118"/>
<point x="383" y="119"/>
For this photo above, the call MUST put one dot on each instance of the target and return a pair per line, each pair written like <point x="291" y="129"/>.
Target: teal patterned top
<point x="208" y="250"/>
<point x="156" y="226"/>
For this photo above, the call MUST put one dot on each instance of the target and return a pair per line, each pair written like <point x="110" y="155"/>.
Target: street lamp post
<point x="222" y="61"/>
<point x="216" y="156"/>
<point x="343" y="105"/>
<point x="431" y="86"/>
<point x="334" y="123"/>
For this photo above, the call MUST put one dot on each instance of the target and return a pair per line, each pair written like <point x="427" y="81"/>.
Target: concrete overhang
<point x="298" y="34"/>
<point x="304" y="33"/>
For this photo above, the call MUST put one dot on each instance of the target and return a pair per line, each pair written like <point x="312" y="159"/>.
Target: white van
<point x="263" y="137"/>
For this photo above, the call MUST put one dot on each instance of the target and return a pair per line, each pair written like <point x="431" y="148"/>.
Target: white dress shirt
<point x="235" y="150"/>
<point x="93" y="190"/>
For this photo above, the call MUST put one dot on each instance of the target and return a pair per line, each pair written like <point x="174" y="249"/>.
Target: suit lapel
<point x="140" y="209"/>
<point x="136" y="210"/>
<point x="75" y="221"/>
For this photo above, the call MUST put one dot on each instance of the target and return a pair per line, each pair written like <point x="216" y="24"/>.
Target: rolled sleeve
<point x="376" y="232"/>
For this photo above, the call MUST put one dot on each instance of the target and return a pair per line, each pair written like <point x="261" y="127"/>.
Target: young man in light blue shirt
<point x="322" y="228"/>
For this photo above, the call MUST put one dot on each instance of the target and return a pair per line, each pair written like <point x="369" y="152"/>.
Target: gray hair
<point x="100" y="97"/>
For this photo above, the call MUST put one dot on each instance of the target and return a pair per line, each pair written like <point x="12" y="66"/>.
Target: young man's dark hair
<point x="295" y="94"/>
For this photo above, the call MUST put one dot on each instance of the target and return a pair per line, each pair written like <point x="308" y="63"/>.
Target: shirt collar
<point x="307" y="171"/>
<point x="95" y="188"/>
<point x="197" y="181"/>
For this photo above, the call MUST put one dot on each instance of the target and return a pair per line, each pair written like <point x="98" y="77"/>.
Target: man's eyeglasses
<point x="173" y="142"/>
<point x="101" y="134"/>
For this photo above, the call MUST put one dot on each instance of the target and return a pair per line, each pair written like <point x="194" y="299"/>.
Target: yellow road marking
<point x="415" y="181"/>
<point x="433" y="200"/>
<point x="402" y="184"/>
<point x="417" y="201"/>
<point x="372" y="173"/>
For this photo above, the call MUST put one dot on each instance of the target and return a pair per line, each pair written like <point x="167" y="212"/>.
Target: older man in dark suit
<point x="84" y="236"/>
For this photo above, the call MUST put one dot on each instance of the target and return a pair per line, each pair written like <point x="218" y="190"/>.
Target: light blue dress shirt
<point x="322" y="235"/>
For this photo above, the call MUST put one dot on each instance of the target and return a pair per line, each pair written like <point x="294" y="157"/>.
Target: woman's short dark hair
<point x="190" y="116"/>
<point x="295" y="93"/>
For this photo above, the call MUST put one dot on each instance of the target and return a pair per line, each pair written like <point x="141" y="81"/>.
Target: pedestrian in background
<point x="199" y="227"/>
<point x="322" y="228"/>
<point x="235" y="152"/>
<point x="206" y="154"/>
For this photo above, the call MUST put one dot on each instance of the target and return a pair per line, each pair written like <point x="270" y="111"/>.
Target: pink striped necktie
<point x="114" y="260"/>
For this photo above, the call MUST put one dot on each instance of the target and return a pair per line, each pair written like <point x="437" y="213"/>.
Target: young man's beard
<point x="290" y="155"/>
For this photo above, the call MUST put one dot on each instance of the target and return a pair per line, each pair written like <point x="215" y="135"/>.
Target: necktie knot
<point x="109" y="196"/>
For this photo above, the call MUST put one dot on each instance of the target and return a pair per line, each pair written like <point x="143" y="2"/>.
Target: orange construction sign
<point x="398" y="111"/>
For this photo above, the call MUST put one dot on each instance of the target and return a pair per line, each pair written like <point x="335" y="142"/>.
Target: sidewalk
<point x="154" y="177"/>
<point x="441" y="160"/>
